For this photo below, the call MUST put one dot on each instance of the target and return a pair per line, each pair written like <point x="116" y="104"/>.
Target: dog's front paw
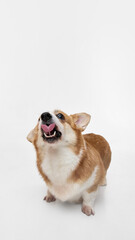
<point x="49" y="198"/>
<point x="87" y="210"/>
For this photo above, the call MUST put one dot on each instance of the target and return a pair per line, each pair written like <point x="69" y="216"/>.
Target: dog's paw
<point x="49" y="198"/>
<point x="87" y="210"/>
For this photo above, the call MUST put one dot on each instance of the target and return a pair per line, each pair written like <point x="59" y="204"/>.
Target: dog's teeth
<point x="49" y="136"/>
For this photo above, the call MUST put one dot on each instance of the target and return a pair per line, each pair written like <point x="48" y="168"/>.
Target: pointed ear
<point x="31" y="135"/>
<point x="81" y="120"/>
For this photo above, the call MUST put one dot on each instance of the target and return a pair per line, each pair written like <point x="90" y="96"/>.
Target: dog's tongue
<point x="48" y="129"/>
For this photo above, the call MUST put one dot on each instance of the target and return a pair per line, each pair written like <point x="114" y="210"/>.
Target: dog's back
<point x="101" y="145"/>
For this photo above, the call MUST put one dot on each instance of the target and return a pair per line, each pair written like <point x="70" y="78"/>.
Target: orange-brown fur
<point x="38" y="153"/>
<point x="96" y="152"/>
<point x="101" y="145"/>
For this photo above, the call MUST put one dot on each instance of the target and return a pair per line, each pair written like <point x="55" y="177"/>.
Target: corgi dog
<point x="73" y="165"/>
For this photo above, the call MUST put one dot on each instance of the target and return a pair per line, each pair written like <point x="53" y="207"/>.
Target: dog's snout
<point x="46" y="116"/>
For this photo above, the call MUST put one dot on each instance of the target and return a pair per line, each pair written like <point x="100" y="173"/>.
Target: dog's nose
<point x="46" y="116"/>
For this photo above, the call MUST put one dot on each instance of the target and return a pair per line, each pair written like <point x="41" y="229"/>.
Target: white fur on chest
<point x="59" y="163"/>
<point x="72" y="191"/>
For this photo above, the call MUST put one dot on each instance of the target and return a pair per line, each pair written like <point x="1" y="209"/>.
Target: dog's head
<point x="58" y="128"/>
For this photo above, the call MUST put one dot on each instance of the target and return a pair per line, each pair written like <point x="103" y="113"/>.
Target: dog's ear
<point x="81" y="120"/>
<point x="32" y="134"/>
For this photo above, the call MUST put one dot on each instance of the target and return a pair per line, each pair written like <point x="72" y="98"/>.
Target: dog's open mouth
<point x="50" y="133"/>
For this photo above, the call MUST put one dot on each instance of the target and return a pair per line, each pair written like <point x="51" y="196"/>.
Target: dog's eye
<point x="60" y="116"/>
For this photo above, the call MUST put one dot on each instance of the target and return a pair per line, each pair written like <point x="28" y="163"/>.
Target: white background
<point x="75" y="56"/>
